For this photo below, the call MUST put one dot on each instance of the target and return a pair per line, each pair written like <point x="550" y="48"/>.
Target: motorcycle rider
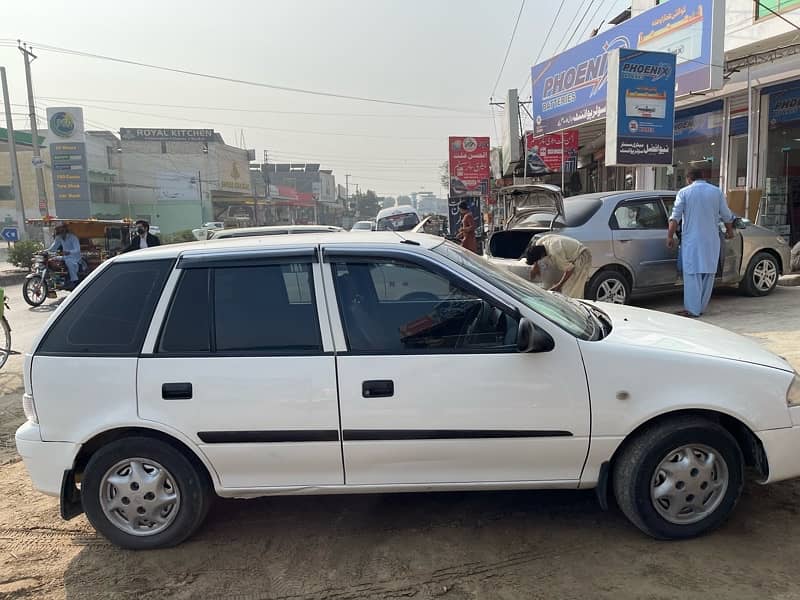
<point x="70" y="248"/>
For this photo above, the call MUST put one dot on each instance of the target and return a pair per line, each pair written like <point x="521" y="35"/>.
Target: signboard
<point x="511" y="134"/>
<point x="65" y="124"/>
<point x="454" y="216"/>
<point x="570" y="89"/>
<point x="10" y="234"/>
<point x="469" y="166"/>
<point x="544" y="153"/>
<point x="70" y="180"/>
<point x="141" y="134"/>
<point x="641" y="108"/>
<point x="784" y="106"/>
<point x="234" y="176"/>
<point x="698" y="123"/>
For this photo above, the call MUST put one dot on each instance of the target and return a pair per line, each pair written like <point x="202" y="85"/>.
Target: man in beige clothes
<point x="569" y="256"/>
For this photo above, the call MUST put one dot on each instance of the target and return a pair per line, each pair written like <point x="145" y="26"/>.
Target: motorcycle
<point x="5" y="334"/>
<point x="48" y="274"/>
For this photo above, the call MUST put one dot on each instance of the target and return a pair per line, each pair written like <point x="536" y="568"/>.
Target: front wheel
<point x="680" y="478"/>
<point x="5" y="341"/>
<point x="761" y="276"/>
<point x="142" y="493"/>
<point x="34" y="291"/>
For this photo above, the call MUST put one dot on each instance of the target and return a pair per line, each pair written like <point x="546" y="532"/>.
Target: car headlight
<point x="793" y="395"/>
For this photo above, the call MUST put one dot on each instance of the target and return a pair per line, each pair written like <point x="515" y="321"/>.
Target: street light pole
<point x="29" y="57"/>
<point x="12" y="146"/>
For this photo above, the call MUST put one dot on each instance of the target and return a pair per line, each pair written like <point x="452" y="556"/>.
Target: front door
<point x="240" y="368"/>
<point x="639" y="234"/>
<point x="432" y="388"/>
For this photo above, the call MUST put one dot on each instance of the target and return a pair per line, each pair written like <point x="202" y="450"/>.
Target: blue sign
<point x="10" y="234"/>
<point x="700" y="123"/>
<point x="641" y="106"/>
<point x="784" y="106"/>
<point x="570" y="89"/>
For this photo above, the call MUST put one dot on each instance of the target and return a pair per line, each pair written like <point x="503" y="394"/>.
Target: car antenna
<point x="406" y="240"/>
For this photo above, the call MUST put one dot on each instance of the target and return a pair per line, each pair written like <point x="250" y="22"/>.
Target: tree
<point x="367" y="205"/>
<point x="403" y="201"/>
<point x="444" y="175"/>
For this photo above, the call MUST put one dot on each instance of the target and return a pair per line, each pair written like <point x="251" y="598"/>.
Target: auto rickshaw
<point x="99" y="241"/>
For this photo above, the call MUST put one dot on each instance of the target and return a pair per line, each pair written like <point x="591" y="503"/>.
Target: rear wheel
<point x="609" y="286"/>
<point x="34" y="291"/>
<point x="5" y="341"/>
<point x="142" y="493"/>
<point x="680" y="478"/>
<point x="761" y="276"/>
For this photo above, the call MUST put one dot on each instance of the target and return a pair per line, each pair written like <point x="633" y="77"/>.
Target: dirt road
<point x="421" y="546"/>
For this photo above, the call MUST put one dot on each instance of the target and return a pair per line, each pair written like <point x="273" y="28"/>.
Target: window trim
<point x="155" y="352"/>
<point x="614" y="224"/>
<point x="334" y="257"/>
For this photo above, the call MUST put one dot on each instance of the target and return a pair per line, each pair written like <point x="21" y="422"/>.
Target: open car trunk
<point x="511" y="243"/>
<point x="539" y="199"/>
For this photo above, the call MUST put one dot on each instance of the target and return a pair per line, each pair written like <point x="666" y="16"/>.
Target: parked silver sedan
<point x="626" y="233"/>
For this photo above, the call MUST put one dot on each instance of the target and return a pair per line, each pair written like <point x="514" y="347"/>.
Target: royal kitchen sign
<point x="470" y="168"/>
<point x="641" y="108"/>
<point x="570" y="89"/>
<point x="143" y="134"/>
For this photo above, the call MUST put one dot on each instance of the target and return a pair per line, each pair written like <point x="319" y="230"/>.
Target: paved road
<point x="422" y="546"/>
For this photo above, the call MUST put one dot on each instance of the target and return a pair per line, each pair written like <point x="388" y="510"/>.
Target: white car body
<point x="446" y="425"/>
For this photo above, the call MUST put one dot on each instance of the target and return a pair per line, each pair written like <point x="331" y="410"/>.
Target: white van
<point x="397" y="218"/>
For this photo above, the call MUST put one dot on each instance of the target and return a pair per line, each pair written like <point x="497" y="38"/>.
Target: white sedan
<point x="384" y="363"/>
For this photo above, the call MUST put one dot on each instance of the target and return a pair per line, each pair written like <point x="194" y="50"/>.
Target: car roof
<point x="396" y="210"/>
<point x="271" y="229"/>
<point x="377" y="240"/>
<point x="623" y="195"/>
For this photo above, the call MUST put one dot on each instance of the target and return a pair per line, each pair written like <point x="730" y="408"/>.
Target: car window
<point x="401" y="222"/>
<point x="669" y="204"/>
<point x="188" y="324"/>
<point x="391" y="307"/>
<point x="268" y="308"/>
<point x="640" y="214"/>
<point x="111" y="315"/>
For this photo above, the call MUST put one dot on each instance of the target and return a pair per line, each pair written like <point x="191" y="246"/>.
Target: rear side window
<point x="264" y="309"/>
<point x="110" y="317"/>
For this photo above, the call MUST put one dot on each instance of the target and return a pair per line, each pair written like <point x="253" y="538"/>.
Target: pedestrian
<point x="143" y="237"/>
<point x="569" y="256"/>
<point x="467" y="232"/>
<point x="699" y="208"/>
<point x="70" y="247"/>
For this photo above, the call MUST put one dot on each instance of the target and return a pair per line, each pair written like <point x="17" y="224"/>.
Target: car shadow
<point x="48" y="306"/>
<point x="543" y="544"/>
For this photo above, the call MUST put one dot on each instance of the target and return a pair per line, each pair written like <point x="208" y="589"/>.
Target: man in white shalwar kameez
<point x="699" y="208"/>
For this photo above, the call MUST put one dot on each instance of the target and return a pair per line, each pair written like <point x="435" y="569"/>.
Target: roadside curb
<point x="12" y="277"/>
<point x="789" y="280"/>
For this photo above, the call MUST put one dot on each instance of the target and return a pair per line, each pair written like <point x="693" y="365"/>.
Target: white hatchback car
<point x="344" y="363"/>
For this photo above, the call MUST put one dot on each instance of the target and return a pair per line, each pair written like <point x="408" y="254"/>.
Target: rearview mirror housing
<point x="531" y="338"/>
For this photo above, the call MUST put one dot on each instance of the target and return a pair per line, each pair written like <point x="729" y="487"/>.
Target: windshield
<point x="577" y="212"/>
<point x="401" y="222"/>
<point x="565" y="313"/>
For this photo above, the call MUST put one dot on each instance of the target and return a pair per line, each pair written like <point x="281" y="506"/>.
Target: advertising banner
<point x="570" y="89"/>
<point x="71" y="192"/>
<point x="511" y="134"/>
<point x="469" y="166"/>
<point x="153" y="134"/>
<point x="641" y="108"/>
<point x="454" y="215"/>
<point x="552" y="152"/>
<point x="700" y="123"/>
<point x="784" y="106"/>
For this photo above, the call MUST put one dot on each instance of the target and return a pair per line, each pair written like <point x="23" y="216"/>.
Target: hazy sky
<point x="433" y="52"/>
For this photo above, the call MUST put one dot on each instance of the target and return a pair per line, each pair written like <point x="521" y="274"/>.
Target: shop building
<point x="743" y="134"/>
<point x="301" y="193"/>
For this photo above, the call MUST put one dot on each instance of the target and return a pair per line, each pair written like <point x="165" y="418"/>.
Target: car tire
<point x="701" y="491"/>
<point x="137" y="474"/>
<point x="761" y="276"/>
<point x="609" y="285"/>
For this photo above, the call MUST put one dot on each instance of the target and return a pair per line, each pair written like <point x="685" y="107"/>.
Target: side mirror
<point x="532" y="339"/>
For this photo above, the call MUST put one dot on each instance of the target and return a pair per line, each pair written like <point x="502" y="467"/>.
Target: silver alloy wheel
<point x="611" y="290"/>
<point x="765" y="274"/>
<point x="689" y="484"/>
<point x="139" y="496"/>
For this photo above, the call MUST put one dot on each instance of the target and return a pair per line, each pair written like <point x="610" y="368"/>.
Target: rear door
<point x="639" y="234"/>
<point x="243" y="365"/>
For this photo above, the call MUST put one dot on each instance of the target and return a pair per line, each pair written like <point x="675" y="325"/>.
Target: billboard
<point x="469" y="166"/>
<point x="570" y="88"/>
<point x="551" y="153"/>
<point x="71" y="192"/>
<point x="641" y="107"/>
<point x="154" y="134"/>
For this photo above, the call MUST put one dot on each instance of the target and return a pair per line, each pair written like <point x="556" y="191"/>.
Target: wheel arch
<point x="617" y="267"/>
<point x="771" y="251"/>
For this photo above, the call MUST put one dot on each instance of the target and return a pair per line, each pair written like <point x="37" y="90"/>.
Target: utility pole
<point x="265" y="174"/>
<point x="12" y="145"/>
<point x="29" y="57"/>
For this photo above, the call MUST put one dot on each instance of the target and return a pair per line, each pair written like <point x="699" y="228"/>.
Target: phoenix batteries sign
<point x="570" y="88"/>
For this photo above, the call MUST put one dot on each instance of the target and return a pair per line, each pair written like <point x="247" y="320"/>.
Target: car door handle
<point x="377" y="388"/>
<point x="624" y="241"/>
<point x="176" y="391"/>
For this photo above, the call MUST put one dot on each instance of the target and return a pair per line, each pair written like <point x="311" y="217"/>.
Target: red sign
<point x="469" y="166"/>
<point x="544" y="153"/>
